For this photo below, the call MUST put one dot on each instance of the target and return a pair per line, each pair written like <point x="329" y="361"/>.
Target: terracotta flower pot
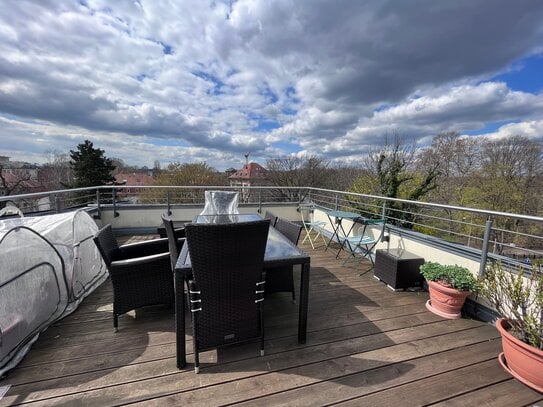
<point x="522" y="361"/>
<point x="445" y="301"/>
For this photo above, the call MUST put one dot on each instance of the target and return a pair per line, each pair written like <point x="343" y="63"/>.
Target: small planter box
<point x="398" y="268"/>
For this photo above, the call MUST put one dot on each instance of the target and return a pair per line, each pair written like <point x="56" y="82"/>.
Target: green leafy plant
<point x="457" y="277"/>
<point x="517" y="295"/>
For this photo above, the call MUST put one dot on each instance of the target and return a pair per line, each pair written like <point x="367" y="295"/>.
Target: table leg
<point x="341" y="243"/>
<point x="304" y="302"/>
<point x="180" y="320"/>
<point x="336" y="222"/>
<point x="345" y="235"/>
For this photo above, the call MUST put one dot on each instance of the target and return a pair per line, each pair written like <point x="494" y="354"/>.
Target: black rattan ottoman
<point x="398" y="268"/>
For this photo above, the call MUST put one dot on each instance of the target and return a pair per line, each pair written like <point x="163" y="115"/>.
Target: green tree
<point x="90" y="166"/>
<point x="186" y="174"/>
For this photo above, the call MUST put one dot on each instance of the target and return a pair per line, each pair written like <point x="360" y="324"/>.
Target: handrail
<point x="488" y="213"/>
<point x="479" y="229"/>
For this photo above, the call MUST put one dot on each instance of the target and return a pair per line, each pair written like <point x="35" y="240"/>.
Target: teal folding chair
<point x="310" y="226"/>
<point x="363" y="244"/>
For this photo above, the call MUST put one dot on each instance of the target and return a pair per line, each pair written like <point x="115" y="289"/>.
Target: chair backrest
<point x="107" y="244"/>
<point x="290" y="230"/>
<point x="271" y="217"/>
<point x="227" y="261"/>
<point x="173" y="242"/>
<point x="306" y="210"/>
<point x="380" y="223"/>
<point x="221" y="203"/>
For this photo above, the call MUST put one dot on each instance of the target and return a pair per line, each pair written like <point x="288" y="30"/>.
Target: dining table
<point x="279" y="252"/>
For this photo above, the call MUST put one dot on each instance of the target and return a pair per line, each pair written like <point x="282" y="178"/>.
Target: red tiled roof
<point x="134" y="179"/>
<point x="27" y="184"/>
<point x="250" y="171"/>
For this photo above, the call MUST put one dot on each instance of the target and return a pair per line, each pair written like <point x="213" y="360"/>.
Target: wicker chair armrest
<point x="142" y="249"/>
<point x="140" y="260"/>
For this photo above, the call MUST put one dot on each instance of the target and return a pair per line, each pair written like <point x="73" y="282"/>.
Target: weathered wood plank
<point x="117" y="355"/>
<point x="302" y="366"/>
<point x="456" y="381"/>
<point x="366" y="345"/>
<point x="506" y="394"/>
<point x="385" y="385"/>
<point x="330" y="370"/>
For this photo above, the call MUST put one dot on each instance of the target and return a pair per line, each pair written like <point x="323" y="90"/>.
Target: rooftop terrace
<point x="366" y="345"/>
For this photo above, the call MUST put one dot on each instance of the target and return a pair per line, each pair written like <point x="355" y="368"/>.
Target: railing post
<point x="114" y="196"/>
<point x="57" y="203"/>
<point x="484" y="249"/>
<point x="384" y="210"/>
<point x="259" y="200"/>
<point x="168" y="210"/>
<point x="337" y="203"/>
<point x="98" y="206"/>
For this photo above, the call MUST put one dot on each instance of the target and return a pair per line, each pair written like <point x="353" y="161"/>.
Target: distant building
<point x="21" y="169"/>
<point x="230" y="171"/>
<point x="19" y="185"/>
<point x="252" y="174"/>
<point x="133" y="182"/>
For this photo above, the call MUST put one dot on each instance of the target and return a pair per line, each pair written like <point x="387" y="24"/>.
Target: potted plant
<point x="449" y="286"/>
<point x="518" y="298"/>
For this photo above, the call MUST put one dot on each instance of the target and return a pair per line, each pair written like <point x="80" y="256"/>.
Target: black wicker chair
<point x="271" y="217"/>
<point x="281" y="279"/>
<point x="140" y="272"/>
<point x="175" y="241"/>
<point x="227" y="287"/>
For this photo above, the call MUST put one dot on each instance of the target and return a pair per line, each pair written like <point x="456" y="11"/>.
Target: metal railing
<point x="517" y="237"/>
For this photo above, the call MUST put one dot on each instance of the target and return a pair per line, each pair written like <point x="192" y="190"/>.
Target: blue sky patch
<point x="269" y="95"/>
<point x="288" y="111"/>
<point x="489" y="127"/>
<point x="291" y="94"/>
<point x="217" y="83"/>
<point x="526" y="75"/>
<point x="263" y="124"/>
<point x="166" y="49"/>
<point x="287" y="146"/>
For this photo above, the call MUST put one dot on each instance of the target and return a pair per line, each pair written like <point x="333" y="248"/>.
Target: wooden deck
<point x="367" y="346"/>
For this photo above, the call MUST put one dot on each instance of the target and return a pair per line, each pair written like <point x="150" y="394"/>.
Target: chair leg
<point x="261" y="322"/>
<point x="196" y="361"/>
<point x="115" y="322"/>
<point x="308" y="237"/>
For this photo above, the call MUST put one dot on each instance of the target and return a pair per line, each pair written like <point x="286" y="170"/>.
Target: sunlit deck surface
<point x="366" y="346"/>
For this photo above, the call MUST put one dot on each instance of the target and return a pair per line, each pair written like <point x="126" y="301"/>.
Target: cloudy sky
<point x="197" y="80"/>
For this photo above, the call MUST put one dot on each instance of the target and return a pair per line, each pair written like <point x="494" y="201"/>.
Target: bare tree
<point x="56" y="173"/>
<point x="300" y="172"/>
<point x="11" y="184"/>
<point x="392" y="171"/>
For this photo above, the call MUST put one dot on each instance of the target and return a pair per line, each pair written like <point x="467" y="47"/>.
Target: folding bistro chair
<point x="364" y="243"/>
<point x="311" y="226"/>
